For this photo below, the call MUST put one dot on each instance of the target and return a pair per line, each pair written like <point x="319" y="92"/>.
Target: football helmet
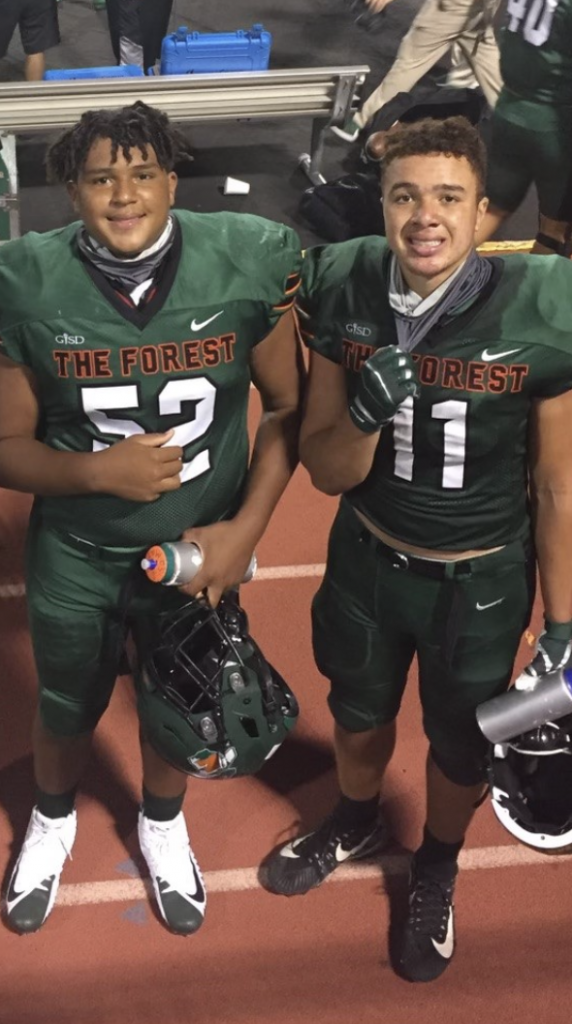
<point x="531" y="786"/>
<point x="209" y="702"/>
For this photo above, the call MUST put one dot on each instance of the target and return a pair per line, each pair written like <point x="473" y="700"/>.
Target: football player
<point x="531" y="132"/>
<point x="129" y="343"/>
<point x="440" y="390"/>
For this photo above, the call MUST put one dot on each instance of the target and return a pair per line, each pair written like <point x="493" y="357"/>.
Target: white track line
<point x="289" y="572"/>
<point x="12" y="590"/>
<point x="271" y="572"/>
<point x="246" y="879"/>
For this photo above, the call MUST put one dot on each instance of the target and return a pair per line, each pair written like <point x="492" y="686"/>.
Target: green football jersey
<point x="536" y="51"/>
<point x="107" y="369"/>
<point x="451" y="471"/>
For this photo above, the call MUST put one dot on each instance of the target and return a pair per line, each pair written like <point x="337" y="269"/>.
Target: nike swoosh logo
<point x="493" y="357"/>
<point x="446" y="948"/>
<point x="290" y="849"/>
<point x="198" y="896"/>
<point x="342" y="855"/>
<point x="482" y="607"/>
<point x="13" y="896"/>
<point x="196" y="326"/>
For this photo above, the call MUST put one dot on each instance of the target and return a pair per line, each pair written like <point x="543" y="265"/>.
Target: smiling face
<point x="124" y="204"/>
<point x="432" y="211"/>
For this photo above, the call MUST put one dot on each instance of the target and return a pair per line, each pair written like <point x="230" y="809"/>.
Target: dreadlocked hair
<point x="137" y="126"/>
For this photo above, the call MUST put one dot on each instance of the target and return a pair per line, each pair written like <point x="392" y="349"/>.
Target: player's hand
<point x="553" y="651"/>
<point x="140" y="468"/>
<point x="387" y="378"/>
<point x="226" y="556"/>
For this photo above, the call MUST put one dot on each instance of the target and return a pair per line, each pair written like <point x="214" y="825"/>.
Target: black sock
<point x="162" y="808"/>
<point x="55" y="805"/>
<point x="438" y="858"/>
<point x="357" y="813"/>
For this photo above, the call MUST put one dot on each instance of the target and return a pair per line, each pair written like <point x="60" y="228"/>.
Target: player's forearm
<point x="553" y="538"/>
<point x="339" y="457"/>
<point x="33" y="467"/>
<point x="274" y="459"/>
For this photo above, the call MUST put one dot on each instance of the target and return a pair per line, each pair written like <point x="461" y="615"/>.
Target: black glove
<point x="553" y="651"/>
<point x="387" y="378"/>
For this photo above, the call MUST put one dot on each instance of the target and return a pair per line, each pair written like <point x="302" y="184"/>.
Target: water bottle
<point x="517" y="711"/>
<point x="177" y="563"/>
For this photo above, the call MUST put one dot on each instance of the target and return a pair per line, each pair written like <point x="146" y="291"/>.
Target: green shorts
<point x="521" y="156"/>
<point x="82" y="600"/>
<point x="376" y="610"/>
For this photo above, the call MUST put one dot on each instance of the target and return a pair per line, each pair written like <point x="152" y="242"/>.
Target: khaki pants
<point x="439" y="25"/>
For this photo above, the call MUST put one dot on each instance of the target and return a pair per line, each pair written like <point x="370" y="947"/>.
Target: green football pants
<point x="376" y="610"/>
<point x="81" y="600"/>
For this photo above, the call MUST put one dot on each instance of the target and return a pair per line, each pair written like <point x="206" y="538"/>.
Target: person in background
<point x="462" y="26"/>
<point x="137" y="29"/>
<point x="531" y="130"/>
<point x="37" y="21"/>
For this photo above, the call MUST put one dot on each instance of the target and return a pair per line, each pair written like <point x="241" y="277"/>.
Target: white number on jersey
<point x="536" y="17"/>
<point x="454" y="413"/>
<point x="97" y="402"/>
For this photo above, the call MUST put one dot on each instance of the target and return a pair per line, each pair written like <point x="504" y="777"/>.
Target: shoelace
<point x="36" y="863"/>
<point x="171" y="855"/>
<point x="429" y="907"/>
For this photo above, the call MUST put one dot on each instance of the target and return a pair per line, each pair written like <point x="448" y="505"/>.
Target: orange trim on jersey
<point x="283" y="307"/>
<point x="292" y="289"/>
<point x="305" y="333"/>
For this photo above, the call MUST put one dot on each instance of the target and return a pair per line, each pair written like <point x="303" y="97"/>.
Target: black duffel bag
<point x="348" y="207"/>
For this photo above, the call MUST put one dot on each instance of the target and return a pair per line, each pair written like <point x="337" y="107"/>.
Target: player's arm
<point x="137" y="468"/>
<point x="277" y="371"/>
<point x="337" y="455"/>
<point x="551" y="492"/>
<point x="338" y="439"/>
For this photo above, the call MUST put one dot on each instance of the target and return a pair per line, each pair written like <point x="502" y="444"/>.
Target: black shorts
<point x="37" y="21"/>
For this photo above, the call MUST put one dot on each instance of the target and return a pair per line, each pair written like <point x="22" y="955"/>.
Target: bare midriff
<point x="412" y="549"/>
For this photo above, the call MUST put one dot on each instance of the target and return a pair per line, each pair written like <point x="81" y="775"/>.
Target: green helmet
<point x="209" y="703"/>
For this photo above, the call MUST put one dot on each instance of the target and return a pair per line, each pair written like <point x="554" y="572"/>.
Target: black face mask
<point x="126" y="272"/>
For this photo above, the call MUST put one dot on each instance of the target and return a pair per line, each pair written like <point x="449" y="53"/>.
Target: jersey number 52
<point x="98" y="402"/>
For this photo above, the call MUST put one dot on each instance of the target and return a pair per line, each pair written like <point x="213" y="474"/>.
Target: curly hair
<point x="137" y="126"/>
<point x="453" y="136"/>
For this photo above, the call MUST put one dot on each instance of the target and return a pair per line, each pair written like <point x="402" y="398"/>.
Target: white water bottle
<point x="177" y="563"/>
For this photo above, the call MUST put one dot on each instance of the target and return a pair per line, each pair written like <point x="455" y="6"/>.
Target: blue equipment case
<point x="198" y="53"/>
<point x="122" y="71"/>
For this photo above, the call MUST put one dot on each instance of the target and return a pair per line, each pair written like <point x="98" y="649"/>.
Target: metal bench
<point x="324" y="95"/>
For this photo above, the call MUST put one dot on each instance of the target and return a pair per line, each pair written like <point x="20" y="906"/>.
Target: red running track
<point x="104" y="958"/>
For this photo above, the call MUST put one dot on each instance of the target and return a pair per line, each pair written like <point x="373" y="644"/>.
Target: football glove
<point x="553" y="651"/>
<point x="387" y="378"/>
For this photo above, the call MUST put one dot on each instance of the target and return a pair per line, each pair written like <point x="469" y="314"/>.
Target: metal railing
<point x="326" y="95"/>
<point x="312" y="92"/>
